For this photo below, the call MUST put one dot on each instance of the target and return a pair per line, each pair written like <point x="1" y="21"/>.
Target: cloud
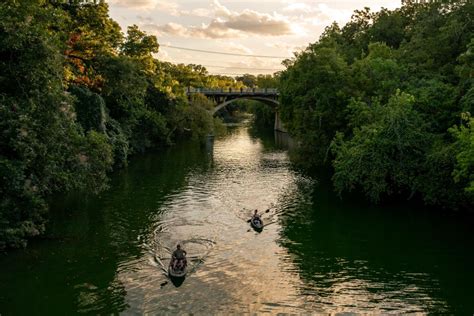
<point x="220" y="10"/>
<point x="163" y="6"/>
<point x="309" y="18"/>
<point x="199" y="12"/>
<point x="212" y="30"/>
<point x="146" y="19"/>
<point x="168" y="28"/>
<point x="317" y="14"/>
<point x="251" y="21"/>
<point x="298" y="7"/>
<point x="257" y="23"/>
<point x="137" y="4"/>
<point x="228" y="24"/>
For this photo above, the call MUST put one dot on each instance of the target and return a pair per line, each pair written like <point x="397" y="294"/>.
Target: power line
<point x="197" y="62"/>
<point x="248" y="68"/>
<point x="222" y="53"/>
<point x="228" y="74"/>
<point x="231" y="67"/>
<point x="207" y="66"/>
<point x="202" y="61"/>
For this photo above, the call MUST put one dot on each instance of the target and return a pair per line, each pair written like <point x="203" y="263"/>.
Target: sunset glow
<point x="268" y="27"/>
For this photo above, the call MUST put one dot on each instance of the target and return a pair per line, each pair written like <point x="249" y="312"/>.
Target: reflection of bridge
<point x="223" y="97"/>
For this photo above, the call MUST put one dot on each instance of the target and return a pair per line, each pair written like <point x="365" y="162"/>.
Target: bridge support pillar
<point x="279" y="124"/>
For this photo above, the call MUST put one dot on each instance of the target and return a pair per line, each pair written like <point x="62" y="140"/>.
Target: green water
<point x="317" y="253"/>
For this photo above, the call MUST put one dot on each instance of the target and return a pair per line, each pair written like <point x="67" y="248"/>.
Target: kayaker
<point x="256" y="216"/>
<point x="179" y="256"/>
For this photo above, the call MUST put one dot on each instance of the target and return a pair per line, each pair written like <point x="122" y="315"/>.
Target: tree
<point x="76" y="97"/>
<point x="267" y="81"/>
<point x="89" y="34"/>
<point x="248" y="80"/>
<point x="313" y="93"/>
<point x="376" y="75"/>
<point x="385" y="155"/>
<point x="401" y="80"/>
<point x="42" y="148"/>
<point x="138" y="44"/>
<point x="464" y="169"/>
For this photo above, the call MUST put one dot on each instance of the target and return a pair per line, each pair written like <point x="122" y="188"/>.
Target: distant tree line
<point x="387" y="100"/>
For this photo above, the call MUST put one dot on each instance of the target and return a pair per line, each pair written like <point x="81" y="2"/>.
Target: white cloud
<point x="317" y="14"/>
<point x="231" y="23"/>
<point x="298" y="7"/>
<point x="212" y="30"/>
<point x="220" y="10"/>
<point x="137" y="4"/>
<point x="199" y="12"/>
<point x="251" y="21"/>
<point x="228" y="24"/>
<point x="168" y="28"/>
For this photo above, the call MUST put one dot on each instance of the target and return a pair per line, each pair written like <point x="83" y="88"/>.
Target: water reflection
<point x="284" y="140"/>
<point x="110" y="254"/>
<point x="352" y="257"/>
<point x="213" y="207"/>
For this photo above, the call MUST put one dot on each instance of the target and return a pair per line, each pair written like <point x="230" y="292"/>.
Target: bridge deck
<point x="267" y="92"/>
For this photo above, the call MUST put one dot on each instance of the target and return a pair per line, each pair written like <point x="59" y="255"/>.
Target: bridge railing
<point x="191" y="90"/>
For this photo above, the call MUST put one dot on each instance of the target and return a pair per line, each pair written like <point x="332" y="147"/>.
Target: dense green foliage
<point x="78" y="97"/>
<point x="263" y="114"/>
<point x="381" y="99"/>
<point x="464" y="148"/>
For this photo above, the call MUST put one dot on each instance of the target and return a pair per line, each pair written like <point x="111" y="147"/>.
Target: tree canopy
<point x="386" y="100"/>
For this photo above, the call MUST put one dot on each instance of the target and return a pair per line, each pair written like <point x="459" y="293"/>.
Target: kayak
<point x="256" y="223"/>
<point x="177" y="273"/>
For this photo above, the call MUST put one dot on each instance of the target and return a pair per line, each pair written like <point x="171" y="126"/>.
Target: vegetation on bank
<point x="387" y="101"/>
<point x="77" y="98"/>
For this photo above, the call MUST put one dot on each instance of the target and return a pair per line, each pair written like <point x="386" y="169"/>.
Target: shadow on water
<point x="395" y="257"/>
<point x="91" y="239"/>
<point x="263" y="134"/>
<point x="177" y="282"/>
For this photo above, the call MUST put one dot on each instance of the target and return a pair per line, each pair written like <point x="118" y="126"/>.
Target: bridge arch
<point x="271" y="102"/>
<point x="223" y="98"/>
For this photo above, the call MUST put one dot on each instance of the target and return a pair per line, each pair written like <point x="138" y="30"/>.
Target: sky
<point x="272" y="28"/>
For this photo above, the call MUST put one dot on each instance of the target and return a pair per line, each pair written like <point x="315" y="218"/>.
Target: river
<point x="317" y="253"/>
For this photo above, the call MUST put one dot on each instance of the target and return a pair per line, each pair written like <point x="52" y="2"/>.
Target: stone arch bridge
<point x="224" y="97"/>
